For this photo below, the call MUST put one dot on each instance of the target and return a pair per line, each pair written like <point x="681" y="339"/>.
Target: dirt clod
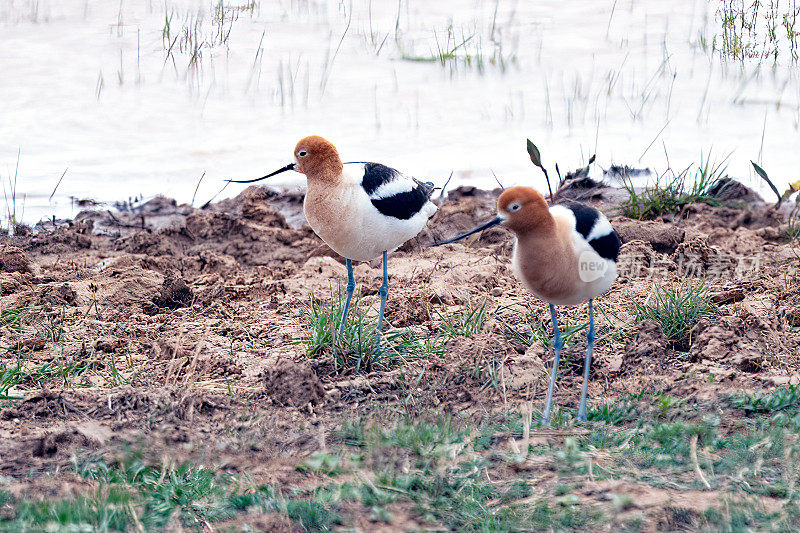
<point x="293" y="384"/>
<point x="528" y="372"/>
<point x="174" y="293"/>
<point x="107" y="344"/>
<point x="725" y="341"/>
<point x="60" y="441"/>
<point x="13" y="259"/>
<point x="45" y="404"/>
<point x="662" y="237"/>
<point x="59" y="295"/>
<point x="648" y="347"/>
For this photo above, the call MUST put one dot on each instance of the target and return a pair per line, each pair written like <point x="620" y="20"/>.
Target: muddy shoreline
<point x="181" y="327"/>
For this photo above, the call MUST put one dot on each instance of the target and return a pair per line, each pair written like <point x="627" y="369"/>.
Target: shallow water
<point x="102" y="90"/>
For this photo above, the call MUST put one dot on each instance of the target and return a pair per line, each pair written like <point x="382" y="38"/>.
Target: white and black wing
<point x="393" y="193"/>
<point x="595" y="228"/>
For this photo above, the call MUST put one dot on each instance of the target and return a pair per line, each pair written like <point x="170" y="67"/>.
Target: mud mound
<point x="697" y="258"/>
<point x="58" y="295"/>
<point x="64" y="442"/>
<point x="211" y="261"/>
<point x="144" y="408"/>
<point x="446" y="384"/>
<point x="43" y="405"/>
<point x="13" y="259"/>
<point x="293" y="384"/>
<point x="287" y="203"/>
<point x="190" y="359"/>
<point x="408" y="310"/>
<point x="465" y="208"/>
<point x="251" y="229"/>
<point x="53" y="449"/>
<point x="317" y="275"/>
<point x="63" y="239"/>
<point x="167" y="242"/>
<point x="646" y="352"/>
<point x="256" y="206"/>
<point x="174" y="292"/>
<point x="156" y="214"/>
<point x="662" y="237"/>
<point x="11" y="283"/>
<point x="789" y="307"/>
<point x="528" y="374"/>
<point x="578" y="186"/>
<point x="730" y="190"/>
<point x="707" y="217"/>
<point x="375" y="387"/>
<point x="483" y="350"/>
<point x="109" y="344"/>
<point x="123" y="289"/>
<point x="263" y="242"/>
<point x="727" y="341"/>
<point x="636" y="258"/>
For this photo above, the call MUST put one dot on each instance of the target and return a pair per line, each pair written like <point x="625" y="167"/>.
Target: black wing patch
<point x="403" y="205"/>
<point x="585" y="217"/>
<point x="607" y="246"/>
<point x="376" y="175"/>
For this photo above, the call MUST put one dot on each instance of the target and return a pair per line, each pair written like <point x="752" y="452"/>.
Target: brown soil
<point x="13" y="259"/>
<point x="294" y="384"/>
<point x="186" y="321"/>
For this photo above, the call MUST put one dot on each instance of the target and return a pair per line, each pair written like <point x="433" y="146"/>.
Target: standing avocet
<point x="360" y="210"/>
<point x="564" y="254"/>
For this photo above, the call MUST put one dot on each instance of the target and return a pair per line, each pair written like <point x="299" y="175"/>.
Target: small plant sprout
<point x="763" y="175"/>
<point x="13" y="218"/>
<point x="536" y="159"/>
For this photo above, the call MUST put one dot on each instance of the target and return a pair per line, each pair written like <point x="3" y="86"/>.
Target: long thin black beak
<point x="493" y="222"/>
<point x="290" y="166"/>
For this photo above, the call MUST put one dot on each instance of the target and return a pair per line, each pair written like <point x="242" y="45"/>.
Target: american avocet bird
<point x="565" y="254"/>
<point x="361" y="210"/>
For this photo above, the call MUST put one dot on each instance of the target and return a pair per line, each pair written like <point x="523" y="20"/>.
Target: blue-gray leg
<point x="556" y="353"/>
<point x="587" y="365"/>
<point x="351" y="285"/>
<point x="383" y="291"/>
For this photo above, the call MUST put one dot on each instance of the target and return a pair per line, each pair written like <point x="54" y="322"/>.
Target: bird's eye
<point x="514" y="207"/>
<point x="302" y="153"/>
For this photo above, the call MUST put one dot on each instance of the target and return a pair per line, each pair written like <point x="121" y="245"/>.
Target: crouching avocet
<point x="564" y="254"/>
<point x="360" y="210"/>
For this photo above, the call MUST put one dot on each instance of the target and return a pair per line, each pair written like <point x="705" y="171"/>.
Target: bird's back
<point x="374" y="208"/>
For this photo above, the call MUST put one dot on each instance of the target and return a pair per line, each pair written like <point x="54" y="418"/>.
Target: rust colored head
<point x="524" y="209"/>
<point x="317" y="158"/>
